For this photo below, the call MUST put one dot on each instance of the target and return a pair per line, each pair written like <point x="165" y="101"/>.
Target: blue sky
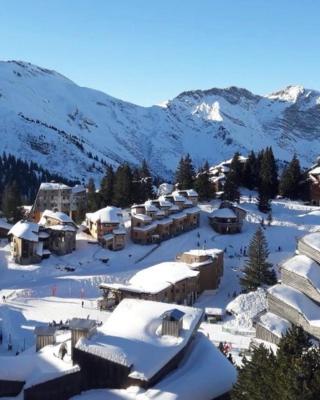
<point x="146" y="51"/>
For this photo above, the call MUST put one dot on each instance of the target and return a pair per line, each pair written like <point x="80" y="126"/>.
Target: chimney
<point x="172" y="322"/>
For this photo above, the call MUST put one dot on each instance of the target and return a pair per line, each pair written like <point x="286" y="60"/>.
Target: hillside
<point x="69" y="129"/>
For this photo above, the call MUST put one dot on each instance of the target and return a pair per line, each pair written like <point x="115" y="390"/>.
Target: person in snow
<point x="82" y="303"/>
<point x="62" y="350"/>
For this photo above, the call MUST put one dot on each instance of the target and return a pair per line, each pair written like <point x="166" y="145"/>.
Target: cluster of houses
<point x="165" y="217"/>
<point x="296" y="300"/>
<point x="218" y="174"/>
<point x="31" y="242"/>
<point x="179" y="281"/>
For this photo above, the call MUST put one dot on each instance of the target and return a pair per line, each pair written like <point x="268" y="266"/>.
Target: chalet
<point x="228" y="218"/>
<point x="165" y="217"/>
<point x="121" y="354"/>
<point x="170" y="282"/>
<point x="209" y="264"/>
<point x="28" y="241"/>
<point x="62" y="232"/>
<point x="59" y="197"/>
<point x="31" y="242"/>
<point x="297" y="299"/>
<point x="105" y="225"/>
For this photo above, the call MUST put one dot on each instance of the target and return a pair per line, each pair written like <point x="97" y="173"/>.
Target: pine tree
<point x="268" y="174"/>
<point x="93" y="196"/>
<point x="231" y="189"/>
<point x="106" y="187"/>
<point x="293" y="373"/>
<point x="257" y="271"/>
<point x="250" y="172"/>
<point x="185" y="173"/>
<point x="202" y="183"/>
<point x="122" y="194"/>
<point x="11" y="202"/>
<point x="290" y="180"/>
<point x="257" y="377"/>
<point x="264" y="202"/>
<point x="237" y="168"/>
<point x="146" y="181"/>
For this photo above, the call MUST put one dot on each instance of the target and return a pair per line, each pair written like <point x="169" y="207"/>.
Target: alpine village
<point x="157" y="245"/>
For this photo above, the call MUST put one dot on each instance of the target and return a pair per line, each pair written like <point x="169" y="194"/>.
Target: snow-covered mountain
<point x="47" y="118"/>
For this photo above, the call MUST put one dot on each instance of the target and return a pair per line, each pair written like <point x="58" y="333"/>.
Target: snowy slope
<point x="47" y="118"/>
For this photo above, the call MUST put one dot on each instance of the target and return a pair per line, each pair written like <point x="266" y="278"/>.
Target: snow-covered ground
<point x="45" y="292"/>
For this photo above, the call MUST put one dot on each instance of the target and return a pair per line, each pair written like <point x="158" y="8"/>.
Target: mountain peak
<point x="290" y="93"/>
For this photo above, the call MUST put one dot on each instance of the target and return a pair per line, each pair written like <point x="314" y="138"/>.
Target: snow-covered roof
<point x="53" y="186"/>
<point x="179" y="216"/>
<point x="193" y="210"/>
<point x="106" y="215"/>
<point x="275" y="324"/>
<point x="25" y="230"/>
<point x="78" y="189"/>
<point x="142" y="217"/>
<point x="108" y="237"/>
<point x="178" y="197"/>
<point x="312" y="240"/>
<point x="132" y="336"/>
<point x="299" y="301"/>
<point x="119" y="231"/>
<point x="196" y="369"/>
<point x="191" y="193"/>
<point x="164" y="203"/>
<point x="218" y="178"/>
<point x="214" y="311"/>
<point x="315" y="171"/>
<point x="204" y="252"/>
<point x="150" y="207"/>
<point x="174" y="207"/>
<point x="165" y="221"/>
<point x="57" y="215"/>
<point x="305" y="267"/>
<point x="146" y="228"/>
<point x="62" y="227"/>
<point x="165" y="188"/>
<point x="223" y="213"/>
<point x="156" y="278"/>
